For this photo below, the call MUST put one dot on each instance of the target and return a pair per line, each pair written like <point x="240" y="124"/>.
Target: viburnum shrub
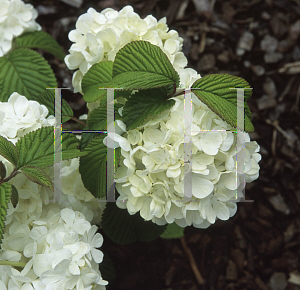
<point x="136" y="67"/>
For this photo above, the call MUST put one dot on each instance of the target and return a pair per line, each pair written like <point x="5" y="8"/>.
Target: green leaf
<point x="140" y="65"/>
<point x="41" y="40"/>
<point x="173" y="231"/>
<point x="123" y="228"/>
<point x="36" y="148"/>
<point x="26" y="72"/>
<point x="86" y="138"/>
<point x="70" y="147"/>
<point x="92" y="167"/>
<point x="38" y="176"/>
<point x="99" y="73"/>
<point x="120" y="93"/>
<point x="47" y="99"/>
<point x="117" y="156"/>
<point x="5" y="193"/>
<point x="97" y="119"/>
<point x="143" y="104"/>
<point x="14" y="196"/>
<point x="9" y="151"/>
<point x="2" y="171"/>
<point x="214" y="91"/>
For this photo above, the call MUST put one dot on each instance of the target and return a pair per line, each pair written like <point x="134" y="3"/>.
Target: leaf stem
<point x="179" y="94"/>
<point x="78" y="121"/>
<point x="12" y="263"/>
<point x="13" y="174"/>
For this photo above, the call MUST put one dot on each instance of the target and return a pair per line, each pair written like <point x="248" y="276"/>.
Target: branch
<point x="192" y="261"/>
<point x="13" y="174"/>
<point x="78" y="121"/>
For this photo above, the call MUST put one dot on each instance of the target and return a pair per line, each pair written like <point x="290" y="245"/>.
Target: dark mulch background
<point x="258" y="40"/>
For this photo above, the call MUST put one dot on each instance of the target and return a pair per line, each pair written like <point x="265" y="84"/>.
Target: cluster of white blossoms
<point x="18" y="116"/>
<point x="150" y="178"/>
<point x="59" y="251"/>
<point x="54" y="239"/>
<point x="16" y="17"/>
<point x="99" y="36"/>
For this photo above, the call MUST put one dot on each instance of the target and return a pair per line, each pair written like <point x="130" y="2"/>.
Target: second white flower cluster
<point x="55" y="241"/>
<point x="151" y="175"/>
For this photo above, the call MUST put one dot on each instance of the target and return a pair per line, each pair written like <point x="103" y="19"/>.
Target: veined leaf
<point x="215" y="91"/>
<point x="86" y="138"/>
<point x="2" y="171"/>
<point x="97" y="119"/>
<point x="5" y="193"/>
<point x="47" y="99"/>
<point x="99" y="73"/>
<point x="70" y="147"/>
<point x="143" y="104"/>
<point x="92" y="167"/>
<point x="37" y="175"/>
<point x="117" y="156"/>
<point x="36" y="148"/>
<point x="123" y="228"/>
<point x="40" y="40"/>
<point x="14" y="196"/>
<point x="173" y="231"/>
<point x="9" y="151"/>
<point x="26" y="72"/>
<point x="140" y="65"/>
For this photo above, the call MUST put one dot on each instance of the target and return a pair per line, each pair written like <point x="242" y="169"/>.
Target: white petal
<point x="97" y="255"/>
<point x="38" y="232"/>
<point x="21" y="106"/>
<point x="221" y="210"/>
<point x="201" y="186"/>
<point x="81" y="226"/>
<point x="68" y="216"/>
<point x="74" y="269"/>
<point x="97" y="241"/>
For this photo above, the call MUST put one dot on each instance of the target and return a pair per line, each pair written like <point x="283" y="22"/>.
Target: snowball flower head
<point x="99" y="36"/>
<point x="59" y="246"/>
<point x="60" y="252"/>
<point x="16" y="17"/>
<point x="18" y="116"/>
<point x="153" y="167"/>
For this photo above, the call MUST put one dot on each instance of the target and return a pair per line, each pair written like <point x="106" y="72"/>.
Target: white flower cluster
<point x="34" y="215"/>
<point x="151" y="175"/>
<point x="18" y="116"/>
<point x="16" y="17"/>
<point x="99" y="36"/>
<point x="59" y="251"/>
